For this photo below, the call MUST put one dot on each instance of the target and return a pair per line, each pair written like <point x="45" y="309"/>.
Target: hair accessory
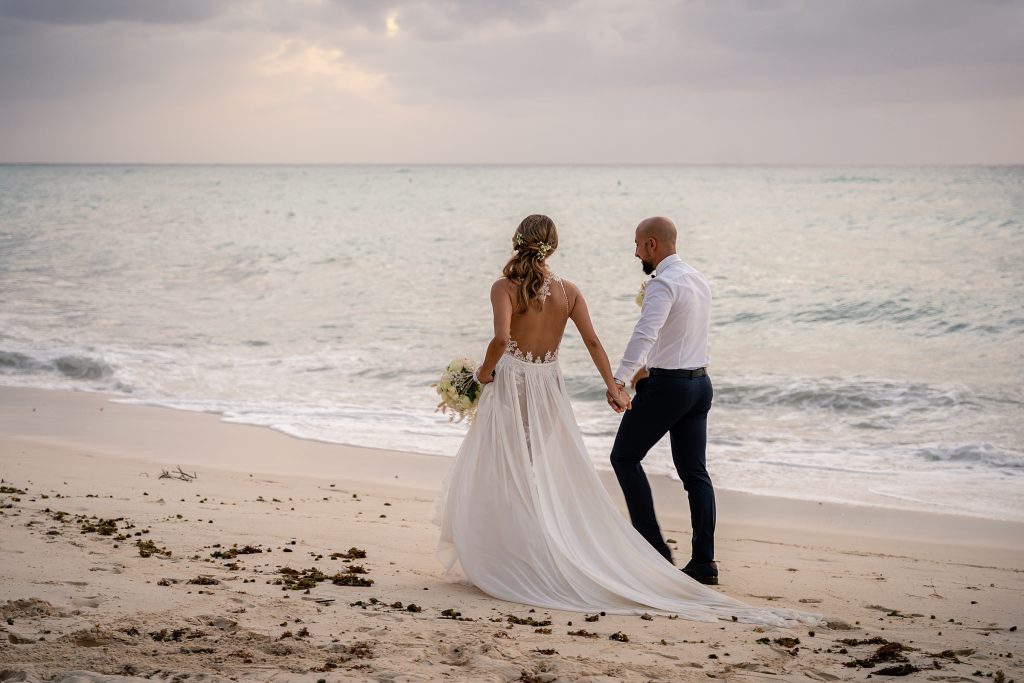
<point x="541" y="248"/>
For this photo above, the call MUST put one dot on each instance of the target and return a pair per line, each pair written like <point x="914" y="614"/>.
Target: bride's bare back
<point x="536" y="334"/>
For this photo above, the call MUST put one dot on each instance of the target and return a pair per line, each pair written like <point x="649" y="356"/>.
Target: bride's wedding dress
<point x="525" y="518"/>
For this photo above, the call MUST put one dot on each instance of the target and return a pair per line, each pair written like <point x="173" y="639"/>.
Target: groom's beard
<point x="648" y="267"/>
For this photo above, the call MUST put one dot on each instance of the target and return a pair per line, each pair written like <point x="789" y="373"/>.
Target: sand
<point x="209" y="601"/>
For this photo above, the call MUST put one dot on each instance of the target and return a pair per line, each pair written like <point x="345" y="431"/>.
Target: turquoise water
<point x="867" y="326"/>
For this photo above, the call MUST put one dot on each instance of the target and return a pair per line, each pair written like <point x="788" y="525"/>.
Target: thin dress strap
<point x="564" y="295"/>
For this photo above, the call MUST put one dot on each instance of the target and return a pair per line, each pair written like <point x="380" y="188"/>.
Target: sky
<point x="864" y="82"/>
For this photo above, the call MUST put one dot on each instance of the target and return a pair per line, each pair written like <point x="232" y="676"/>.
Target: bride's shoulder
<point x="502" y="284"/>
<point x="572" y="292"/>
<point x="570" y="286"/>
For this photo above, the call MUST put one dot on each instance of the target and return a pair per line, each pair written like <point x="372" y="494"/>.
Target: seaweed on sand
<point x="889" y="652"/>
<point x="584" y="633"/>
<point x="204" y="581"/>
<point x="234" y="551"/>
<point x="350" y="579"/>
<point x="149" y="548"/>
<point x="299" y="579"/>
<point x="527" y="621"/>
<point x="103" y="527"/>
<point x="898" y="670"/>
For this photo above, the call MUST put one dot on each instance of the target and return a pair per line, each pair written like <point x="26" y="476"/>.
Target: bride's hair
<point x="534" y="240"/>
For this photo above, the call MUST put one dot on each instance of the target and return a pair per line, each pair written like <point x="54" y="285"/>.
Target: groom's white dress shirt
<point x="672" y="332"/>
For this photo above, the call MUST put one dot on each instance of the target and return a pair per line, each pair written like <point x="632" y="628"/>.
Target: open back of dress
<point x="536" y="334"/>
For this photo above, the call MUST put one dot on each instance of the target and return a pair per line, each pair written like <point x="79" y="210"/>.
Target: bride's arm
<point x="580" y="316"/>
<point x="501" y="305"/>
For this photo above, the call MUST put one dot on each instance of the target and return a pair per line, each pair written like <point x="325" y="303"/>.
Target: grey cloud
<point x="430" y="21"/>
<point x="868" y="34"/>
<point x="714" y="46"/>
<point x="101" y="11"/>
<point x="50" y="65"/>
<point x="421" y="20"/>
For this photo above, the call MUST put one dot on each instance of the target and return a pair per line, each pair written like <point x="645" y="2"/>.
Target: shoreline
<point x="173" y="437"/>
<point x="605" y="471"/>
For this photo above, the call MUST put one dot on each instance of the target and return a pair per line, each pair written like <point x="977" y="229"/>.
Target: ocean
<point x="867" y="343"/>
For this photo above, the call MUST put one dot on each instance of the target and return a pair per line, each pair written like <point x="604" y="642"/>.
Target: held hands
<point x="619" y="399"/>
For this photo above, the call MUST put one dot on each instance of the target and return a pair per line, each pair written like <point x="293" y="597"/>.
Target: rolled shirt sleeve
<point x="658" y="300"/>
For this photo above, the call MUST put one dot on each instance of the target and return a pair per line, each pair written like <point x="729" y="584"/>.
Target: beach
<point x="242" y="245"/>
<point x="111" y="572"/>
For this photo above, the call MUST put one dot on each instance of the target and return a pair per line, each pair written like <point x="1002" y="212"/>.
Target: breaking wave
<point x="70" y="366"/>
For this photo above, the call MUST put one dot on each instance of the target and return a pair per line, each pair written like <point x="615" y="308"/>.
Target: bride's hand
<point x="623" y="399"/>
<point x="619" y="401"/>
<point x="484" y="379"/>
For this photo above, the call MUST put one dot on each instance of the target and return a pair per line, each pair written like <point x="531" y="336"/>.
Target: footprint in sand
<point x="87" y="601"/>
<point x="220" y="623"/>
<point x="91" y="638"/>
<point x="29" y="607"/>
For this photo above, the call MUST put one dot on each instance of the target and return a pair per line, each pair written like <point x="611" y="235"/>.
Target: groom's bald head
<point x="655" y="239"/>
<point x="658" y="227"/>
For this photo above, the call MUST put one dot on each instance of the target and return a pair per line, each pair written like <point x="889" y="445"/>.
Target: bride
<point x="524" y="516"/>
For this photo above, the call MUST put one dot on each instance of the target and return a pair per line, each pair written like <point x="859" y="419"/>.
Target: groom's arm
<point x="657" y="304"/>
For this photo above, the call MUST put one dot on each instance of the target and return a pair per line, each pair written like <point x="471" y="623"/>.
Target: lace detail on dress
<point x="512" y="349"/>
<point x="545" y="287"/>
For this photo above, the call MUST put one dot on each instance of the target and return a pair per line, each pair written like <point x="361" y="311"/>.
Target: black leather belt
<point x="689" y="374"/>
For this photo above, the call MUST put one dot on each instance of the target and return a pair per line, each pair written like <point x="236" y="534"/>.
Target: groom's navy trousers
<point x="678" y="406"/>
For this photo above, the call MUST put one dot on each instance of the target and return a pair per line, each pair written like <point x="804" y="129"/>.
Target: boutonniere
<point x="640" y="294"/>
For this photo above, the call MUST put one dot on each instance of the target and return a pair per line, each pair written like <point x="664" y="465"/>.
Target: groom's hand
<point x="623" y="400"/>
<point x="619" y="401"/>
<point x="640" y="374"/>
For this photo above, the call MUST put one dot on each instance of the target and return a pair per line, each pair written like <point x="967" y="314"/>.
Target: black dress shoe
<point x="704" y="572"/>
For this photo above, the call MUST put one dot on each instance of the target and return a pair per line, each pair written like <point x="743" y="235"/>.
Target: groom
<point x="673" y="394"/>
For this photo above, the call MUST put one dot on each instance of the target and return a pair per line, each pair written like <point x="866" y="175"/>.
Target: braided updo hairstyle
<point x="534" y="240"/>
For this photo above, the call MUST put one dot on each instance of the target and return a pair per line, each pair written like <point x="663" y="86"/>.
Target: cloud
<point x="101" y="11"/>
<point x="519" y="80"/>
<point x="295" y="58"/>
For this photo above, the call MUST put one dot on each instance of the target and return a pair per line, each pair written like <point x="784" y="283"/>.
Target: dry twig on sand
<point x="178" y="474"/>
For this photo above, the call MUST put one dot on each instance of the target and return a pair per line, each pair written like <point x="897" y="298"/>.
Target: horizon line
<point x="519" y="163"/>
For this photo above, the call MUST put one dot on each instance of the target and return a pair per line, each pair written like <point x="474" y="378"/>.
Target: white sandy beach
<point x="948" y="590"/>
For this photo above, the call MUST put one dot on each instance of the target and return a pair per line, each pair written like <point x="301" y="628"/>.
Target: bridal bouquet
<point x="459" y="390"/>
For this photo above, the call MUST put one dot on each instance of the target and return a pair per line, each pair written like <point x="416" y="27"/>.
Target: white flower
<point x="640" y="294"/>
